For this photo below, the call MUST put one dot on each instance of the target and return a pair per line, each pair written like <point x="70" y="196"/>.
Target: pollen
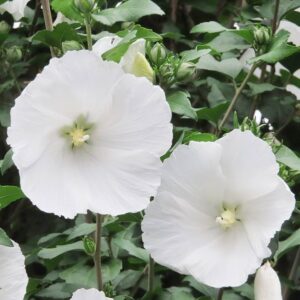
<point x="227" y="218"/>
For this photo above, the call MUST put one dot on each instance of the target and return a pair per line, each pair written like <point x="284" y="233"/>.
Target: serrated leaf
<point x="9" y="194"/>
<point x="130" y="11"/>
<point x="180" y="104"/>
<point x="81" y="230"/>
<point x="4" y="239"/>
<point x="259" y="88"/>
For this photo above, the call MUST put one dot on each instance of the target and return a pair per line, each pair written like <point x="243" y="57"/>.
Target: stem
<point x="48" y="19"/>
<point x="292" y="273"/>
<point x="151" y="275"/>
<point x="220" y="294"/>
<point x="274" y="22"/>
<point x="88" y="32"/>
<point x="236" y="96"/>
<point x="97" y="256"/>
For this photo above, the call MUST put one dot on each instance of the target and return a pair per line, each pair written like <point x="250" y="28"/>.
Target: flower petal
<point x="91" y="294"/>
<point x="106" y="43"/>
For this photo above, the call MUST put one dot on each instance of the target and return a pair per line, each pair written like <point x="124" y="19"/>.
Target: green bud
<point x="262" y="36"/>
<point x="158" y="54"/>
<point x="14" y="54"/>
<point x="166" y="70"/>
<point x="186" y="71"/>
<point x="4" y="27"/>
<point x="85" y="6"/>
<point x="71" y="45"/>
<point x="89" y="245"/>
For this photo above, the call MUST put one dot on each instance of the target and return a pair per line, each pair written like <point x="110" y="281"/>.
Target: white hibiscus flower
<point x="133" y="61"/>
<point x="217" y="209"/>
<point x="13" y="277"/>
<point x="267" y="284"/>
<point x="91" y="294"/>
<point x="86" y="135"/>
<point x="15" y="7"/>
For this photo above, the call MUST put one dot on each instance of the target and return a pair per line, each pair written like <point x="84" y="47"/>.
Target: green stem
<point x="88" y="28"/>
<point x="151" y="275"/>
<point x="220" y="294"/>
<point x="236" y="96"/>
<point x="48" y="19"/>
<point x="275" y="18"/>
<point x="97" y="256"/>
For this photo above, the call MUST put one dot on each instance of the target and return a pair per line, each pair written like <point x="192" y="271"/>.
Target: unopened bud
<point x="262" y="36"/>
<point x="267" y="284"/>
<point x="186" y="71"/>
<point x="71" y="45"/>
<point x="85" y="6"/>
<point x="14" y="54"/>
<point x="158" y="54"/>
<point x="89" y="245"/>
<point x="4" y="27"/>
<point x="142" y="68"/>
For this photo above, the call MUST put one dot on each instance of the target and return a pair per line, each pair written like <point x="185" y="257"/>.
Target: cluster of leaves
<point x="202" y="70"/>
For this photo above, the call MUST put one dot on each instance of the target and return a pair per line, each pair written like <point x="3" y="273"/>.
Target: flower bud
<point x="267" y="284"/>
<point x="71" y="45"/>
<point x="89" y="245"/>
<point x="85" y="6"/>
<point x="186" y="71"/>
<point x="158" y="54"/>
<point x="262" y="36"/>
<point x="142" y="68"/>
<point x="14" y="54"/>
<point x="4" y="27"/>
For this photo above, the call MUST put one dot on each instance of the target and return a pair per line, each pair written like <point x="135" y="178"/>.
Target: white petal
<point x="91" y="294"/>
<point x="128" y="59"/>
<point x="267" y="284"/>
<point x="249" y="166"/>
<point x="13" y="277"/>
<point x="184" y="211"/>
<point x="15" y="8"/>
<point x="263" y="216"/>
<point x="139" y="118"/>
<point x="106" y="43"/>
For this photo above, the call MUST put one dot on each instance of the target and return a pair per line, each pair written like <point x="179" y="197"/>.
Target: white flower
<point x="86" y="135"/>
<point x="61" y="18"/>
<point x="91" y="294"/>
<point x="13" y="277"/>
<point x="15" y="7"/>
<point x="218" y="207"/>
<point x="267" y="284"/>
<point x="133" y="61"/>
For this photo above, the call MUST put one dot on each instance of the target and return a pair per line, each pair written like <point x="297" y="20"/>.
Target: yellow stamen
<point x="227" y="218"/>
<point x="79" y="137"/>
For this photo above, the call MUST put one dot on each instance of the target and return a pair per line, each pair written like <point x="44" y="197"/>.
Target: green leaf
<point x="130" y="11"/>
<point x="259" y="88"/>
<point x="111" y="269"/>
<point x="180" y="104"/>
<point x="50" y="253"/>
<point x="198" y="137"/>
<point x="279" y="49"/>
<point x="227" y="41"/>
<point x="81" y="230"/>
<point x="9" y="194"/>
<point x="289" y="243"/>
<point x="212" y="114"/>
<point x="209" y="27"/>
<point x="202" y="288"/>
<point x="287" y="157"/>
<point x="55" y="291"/>
<point x="231" y="66"/>
<point x="194" y="54"/>
<point x="4" y="239"/>
<point x="67" y="8"/>
<point x="7" y="161"/>
<point x="61" y="33"/>
<point x="132" y="249"/>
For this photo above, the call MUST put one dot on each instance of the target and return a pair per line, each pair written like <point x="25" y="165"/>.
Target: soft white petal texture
<point x="180" y="228"/>
<point x="91" y="294"/>
<point x="267" y="284"/>
<point x="13" y="277"/>
<point x="15" y="7"/>
<point x="106" y="43"/>
<point x="118" y="170"/>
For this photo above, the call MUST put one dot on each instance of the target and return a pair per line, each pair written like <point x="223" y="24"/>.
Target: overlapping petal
<point x="15" y="8"/>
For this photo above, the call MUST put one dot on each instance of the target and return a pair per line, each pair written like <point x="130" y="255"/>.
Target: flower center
<point x="79" y="132"/>
<point x="227" y="218"/>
